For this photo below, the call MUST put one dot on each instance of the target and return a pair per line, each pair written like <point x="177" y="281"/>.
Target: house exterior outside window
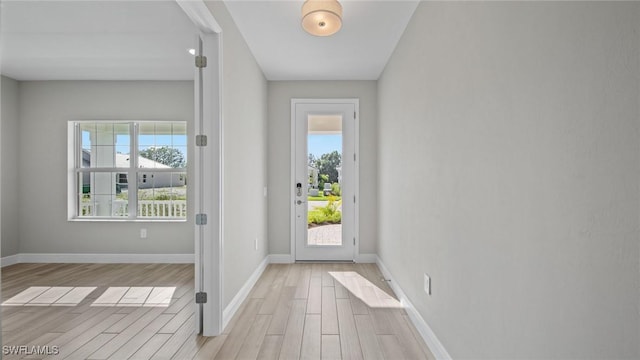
<point x="127" y="170"/>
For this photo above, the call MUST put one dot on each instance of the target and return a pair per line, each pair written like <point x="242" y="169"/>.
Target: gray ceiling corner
<point x="96" y="40"/>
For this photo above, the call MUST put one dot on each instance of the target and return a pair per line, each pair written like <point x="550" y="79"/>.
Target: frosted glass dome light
<point x="321" y="17"/>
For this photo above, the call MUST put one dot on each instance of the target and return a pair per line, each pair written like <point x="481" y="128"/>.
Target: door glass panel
<point x="324" y="205"/>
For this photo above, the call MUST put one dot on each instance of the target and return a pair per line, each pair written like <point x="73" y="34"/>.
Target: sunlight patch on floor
<point x="365" y="290"/>
<point x="145" y="296"/>
<point x="72" y="296"/>
<point x="50" y="296"/>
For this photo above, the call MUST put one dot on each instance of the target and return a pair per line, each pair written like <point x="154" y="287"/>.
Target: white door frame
<point x="356" y="140"/>
<point x="208" y="161"/>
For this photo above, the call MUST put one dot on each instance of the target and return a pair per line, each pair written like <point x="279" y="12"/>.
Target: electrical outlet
<point x="427" y="284"/>
<point x="264" y="191"/>
<point x="143" y="233"/>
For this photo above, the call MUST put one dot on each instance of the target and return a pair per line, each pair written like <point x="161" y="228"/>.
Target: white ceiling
<point x="359" y="51"/>
<point x="96" y="40"/>
<point x="148" y="40"/>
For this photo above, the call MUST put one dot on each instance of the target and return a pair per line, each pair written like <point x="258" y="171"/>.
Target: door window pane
<point x="324" y="205"/>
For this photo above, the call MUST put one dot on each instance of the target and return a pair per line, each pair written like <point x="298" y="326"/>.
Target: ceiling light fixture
<point x="321" y="17"/>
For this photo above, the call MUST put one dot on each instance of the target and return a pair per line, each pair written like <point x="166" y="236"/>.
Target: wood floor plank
<point x="50" y="296"/>
<point x="102" y="318"/>
<point x="281" y="313"/>
<point x="75" y="296"/>
<point x="270" y="349"/>
<point x="232" y="345"/>
<point x="26" y="295"/>
<point x="190" y="348"/>
<point x="293" y="275"/>
<point x="410" y="347"/>
<point x="210" y="348"/>
<point x="341" y="291"/>
<point x="179" y="319"/>
<point x="359" y="307"/>
<point x="329" y="312"/>
<point x="349" y="342"/>
<point x="327" y="280"/>
<point x="136" y="342"/>
<point x="331" y="347"/>
<point x="312" y="337"/>
<point x="47" y="320"/>
<point x="367" y="336"/>
<point x="292" y="340"/>
<point x="302" y="288"/>
<point x="150" y="347"/>
<point x="314" y="301"/>
<point x="88" y="348"/>
<point x="418" y="337"/>
<point x="390" y="347"/>
<point x="174" y="343"/>
<point x="73" y="344"/>
<point x="261" y="289"/>
<point x="253" y="342"/>
<point x="179" y="304"/>
<point x="127" y="320"/>
<point x="126" y="335"/>
<point x="381" y="320"/>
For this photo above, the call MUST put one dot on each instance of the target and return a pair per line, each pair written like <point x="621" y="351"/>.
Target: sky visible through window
<point x="123" y="142"/>
<point x="324" y="144"/>
<point x="318" y="144"/>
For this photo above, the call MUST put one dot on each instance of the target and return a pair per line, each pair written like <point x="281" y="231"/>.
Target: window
<point x="128" y="170"/>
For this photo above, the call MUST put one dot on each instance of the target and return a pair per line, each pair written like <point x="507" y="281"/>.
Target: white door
<point x="324" y="181"/>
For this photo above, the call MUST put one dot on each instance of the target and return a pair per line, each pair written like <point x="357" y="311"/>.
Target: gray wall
<point x="9" y="131"/>
<point x="45" y="108"/>
<point x="280" y="95"/>
<point x="245" y="171"/>
<point x="509" y="170"/>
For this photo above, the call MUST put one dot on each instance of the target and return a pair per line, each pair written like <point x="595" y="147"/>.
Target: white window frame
<point x="74" y="167"/>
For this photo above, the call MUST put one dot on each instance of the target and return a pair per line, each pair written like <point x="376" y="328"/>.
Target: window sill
<point x="110" y="220"/>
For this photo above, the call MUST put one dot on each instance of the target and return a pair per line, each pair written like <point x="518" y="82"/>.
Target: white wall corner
<point x="421" y="325"/>
<point x="107" y="258"/>
<point x="242" y="294"/>
<point x="367" y="258"/>
<point x="280" y="259"/>
<point x="10" y="260"/>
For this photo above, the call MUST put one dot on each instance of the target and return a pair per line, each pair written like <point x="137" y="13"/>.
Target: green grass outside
<point x="322" y="198"/>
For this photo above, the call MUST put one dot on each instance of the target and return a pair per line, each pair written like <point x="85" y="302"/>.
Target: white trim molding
<point x="99" y="258"/>
<point x="418" y="321"/>
<point x="280" y="259"/>
<point x="10" y="260"/>
<point x="200" y="15"/>
<point x="242" y="294"/>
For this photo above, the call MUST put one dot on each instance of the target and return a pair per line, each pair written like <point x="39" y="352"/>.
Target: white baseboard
<point x="421" y="325"/>
<point x="367" y="258"/>
<point x="102" y="258"/>
<point x="240" y="297"/>
<point x="10" y="260"/>
<point x="280" y="259"/>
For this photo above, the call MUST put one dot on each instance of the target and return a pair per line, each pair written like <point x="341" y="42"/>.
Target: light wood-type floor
<point x="308" y="311"/>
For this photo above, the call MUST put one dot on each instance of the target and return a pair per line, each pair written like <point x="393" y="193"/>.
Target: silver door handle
<point x="300" y="202"/>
